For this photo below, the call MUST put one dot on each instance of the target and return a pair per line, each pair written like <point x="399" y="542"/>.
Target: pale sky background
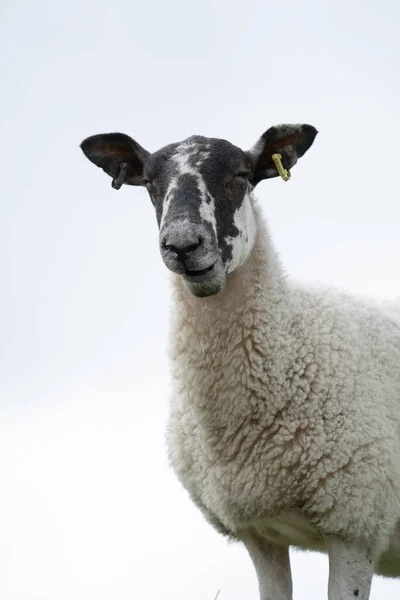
<point x="88" y="506"/>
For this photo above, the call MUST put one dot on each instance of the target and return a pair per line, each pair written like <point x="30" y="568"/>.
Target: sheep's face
<point x="201" y="190"/>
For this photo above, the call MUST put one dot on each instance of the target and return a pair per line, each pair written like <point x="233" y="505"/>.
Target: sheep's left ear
<point x="291" y="141"/>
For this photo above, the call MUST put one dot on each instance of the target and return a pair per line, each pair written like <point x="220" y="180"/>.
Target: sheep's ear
<point x="118" y="155"/>
<point x="290" y="141"/>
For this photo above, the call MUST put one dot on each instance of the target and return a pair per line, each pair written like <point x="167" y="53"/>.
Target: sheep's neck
<point x="226" y="348"/>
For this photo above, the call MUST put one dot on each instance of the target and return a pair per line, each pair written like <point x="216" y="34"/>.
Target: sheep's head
<point x="201" y="191"/>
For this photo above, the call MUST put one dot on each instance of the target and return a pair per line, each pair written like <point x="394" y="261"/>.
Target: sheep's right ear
<point x="118" y="155"/>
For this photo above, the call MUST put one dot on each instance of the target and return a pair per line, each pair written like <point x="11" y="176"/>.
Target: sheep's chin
<point x="208" y="284"/>
<point x="203" y="289"/>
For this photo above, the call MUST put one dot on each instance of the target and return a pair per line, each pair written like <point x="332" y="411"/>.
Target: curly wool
<point x="285" y="409"/>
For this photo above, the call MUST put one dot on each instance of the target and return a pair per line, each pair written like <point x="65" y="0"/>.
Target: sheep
<point x="284" y="422"/>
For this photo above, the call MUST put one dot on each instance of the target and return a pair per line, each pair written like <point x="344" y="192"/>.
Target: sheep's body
<point x="285" y="416"/>
<point x="285" y="424"/>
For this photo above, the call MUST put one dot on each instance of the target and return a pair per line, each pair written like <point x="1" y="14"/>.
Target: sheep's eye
<point x="242" y="175"/>
<point x="150" y="185"/>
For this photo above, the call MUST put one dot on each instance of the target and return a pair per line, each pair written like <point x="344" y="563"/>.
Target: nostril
<point x="191" y="247"/>
<point x="165" y="245"/>
<point x="183" y="249"/>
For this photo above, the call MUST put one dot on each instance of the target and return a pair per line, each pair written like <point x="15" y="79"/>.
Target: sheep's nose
<point x="181" y="247"/>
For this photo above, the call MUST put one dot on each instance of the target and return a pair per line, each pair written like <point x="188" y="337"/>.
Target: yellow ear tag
<point x="284" y="173"/>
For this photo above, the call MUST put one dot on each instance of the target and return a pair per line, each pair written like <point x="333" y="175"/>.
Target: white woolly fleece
<point x="285" y="413"/>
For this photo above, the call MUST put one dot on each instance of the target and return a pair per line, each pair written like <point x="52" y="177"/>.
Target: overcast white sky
<point x="88" y="506"/>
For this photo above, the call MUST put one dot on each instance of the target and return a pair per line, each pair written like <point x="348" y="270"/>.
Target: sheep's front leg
<point x="272" y="566"/>
<point x="351" y="568"/>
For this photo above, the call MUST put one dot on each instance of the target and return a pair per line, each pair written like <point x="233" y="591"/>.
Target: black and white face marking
<point x="201" y="189"/>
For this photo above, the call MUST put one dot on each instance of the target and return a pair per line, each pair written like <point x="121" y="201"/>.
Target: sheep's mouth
<point x="199" y="272"/>
<point x="205" y="282"/>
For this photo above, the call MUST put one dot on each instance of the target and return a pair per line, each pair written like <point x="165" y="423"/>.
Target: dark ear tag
<point x="119" y="180"/>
